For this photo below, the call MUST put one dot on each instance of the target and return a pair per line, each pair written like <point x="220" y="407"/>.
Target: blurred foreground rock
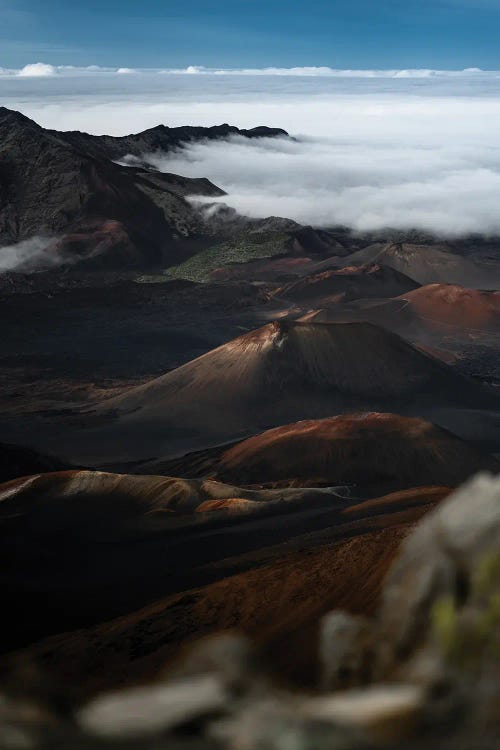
<point x="344" y="650"/>
<point x="426" y="669"/>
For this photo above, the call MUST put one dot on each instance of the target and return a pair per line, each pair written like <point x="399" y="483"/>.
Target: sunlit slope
<point x="277" y="374"/>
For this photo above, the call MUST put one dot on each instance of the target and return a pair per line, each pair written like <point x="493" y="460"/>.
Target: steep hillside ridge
<point x="49" y="189"/>
<point x="65" y="189"/>
<point x="159" y="138"/>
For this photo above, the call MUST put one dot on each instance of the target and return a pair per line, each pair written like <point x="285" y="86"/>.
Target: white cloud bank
<point x="45" y="70"/>
<point x="41" y="69"/>
<point x="367" y="186"/>
<point x="326" y="72"/>
<point x="37" y="70"/>
<point x="370" y="152"/>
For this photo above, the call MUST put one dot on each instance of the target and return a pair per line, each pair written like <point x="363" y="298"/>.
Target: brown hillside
<point x="352" y="282"/>
<point x="427" y="264"/>
<point x="450" y="305"/>
<point x="279" y="602"/>
<point x="355" y="448"/>
<point x="276" y="374"/>
<point x="80" y="547"/>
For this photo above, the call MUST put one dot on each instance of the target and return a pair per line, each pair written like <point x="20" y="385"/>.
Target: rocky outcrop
<point x="442" y="592"/>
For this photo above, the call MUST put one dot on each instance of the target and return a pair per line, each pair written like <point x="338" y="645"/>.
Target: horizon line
<point x="46" y="70"/>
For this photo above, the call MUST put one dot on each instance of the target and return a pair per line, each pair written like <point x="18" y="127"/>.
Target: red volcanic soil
<point x="278" y="600"/>
<point x="354" y="448"/>
<point x="395" y="500"/>
<point x="232" y="505"/>
<point x="96" y="545"/>
<point x="262" y="270"/>
<point x="121" y="497"/>
<point x="276" y="374"/>
<point x="108" y="240"/>
<point x="352" y="282"/>
<point x="450" y="305"/>
<point x="80" y="501"/>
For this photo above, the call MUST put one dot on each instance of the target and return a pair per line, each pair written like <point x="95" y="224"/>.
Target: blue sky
<point x="448" y="34"/>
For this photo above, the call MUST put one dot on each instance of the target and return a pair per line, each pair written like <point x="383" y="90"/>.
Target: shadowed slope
<point x="276" y="588"/>
<point x="350" y="283"/>
<point x="101" y="495"/>
<point x="159" y="138"/>
<point x="79" y="547"/>
<point x="19" y="461"/>
<point x="433" y="310"/>
<point x="427" y="264"/>
<point x="360" y="449"/>
<point x="50" y="188"/>
<point x="267" y="269"/>
<point x="322" y="315"/>
<point x="279" y="373"/>
<point x="67" y="187"/>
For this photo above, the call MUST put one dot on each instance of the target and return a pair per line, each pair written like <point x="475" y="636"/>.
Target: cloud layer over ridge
<point x="372" y="150"/>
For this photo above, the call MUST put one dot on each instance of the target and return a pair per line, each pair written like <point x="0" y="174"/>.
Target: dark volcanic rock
<point x="65" y="186"/>
<point x="428" y="264"/>
<point x="18" y="461"/>
<point x="308" y="240"/>
<point x="159" y="138"/>
<point x="352" y="282"/>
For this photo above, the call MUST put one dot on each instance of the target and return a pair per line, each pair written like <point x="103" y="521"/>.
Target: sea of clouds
<point x="44" y="70"/>
<point x="372" y="149"/>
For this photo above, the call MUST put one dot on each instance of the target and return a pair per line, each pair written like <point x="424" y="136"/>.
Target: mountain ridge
<point x="68" y="189"/>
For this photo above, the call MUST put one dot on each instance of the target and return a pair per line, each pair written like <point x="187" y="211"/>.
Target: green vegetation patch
<point x="152" y="278"/>
<point x="199" y="266"/>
